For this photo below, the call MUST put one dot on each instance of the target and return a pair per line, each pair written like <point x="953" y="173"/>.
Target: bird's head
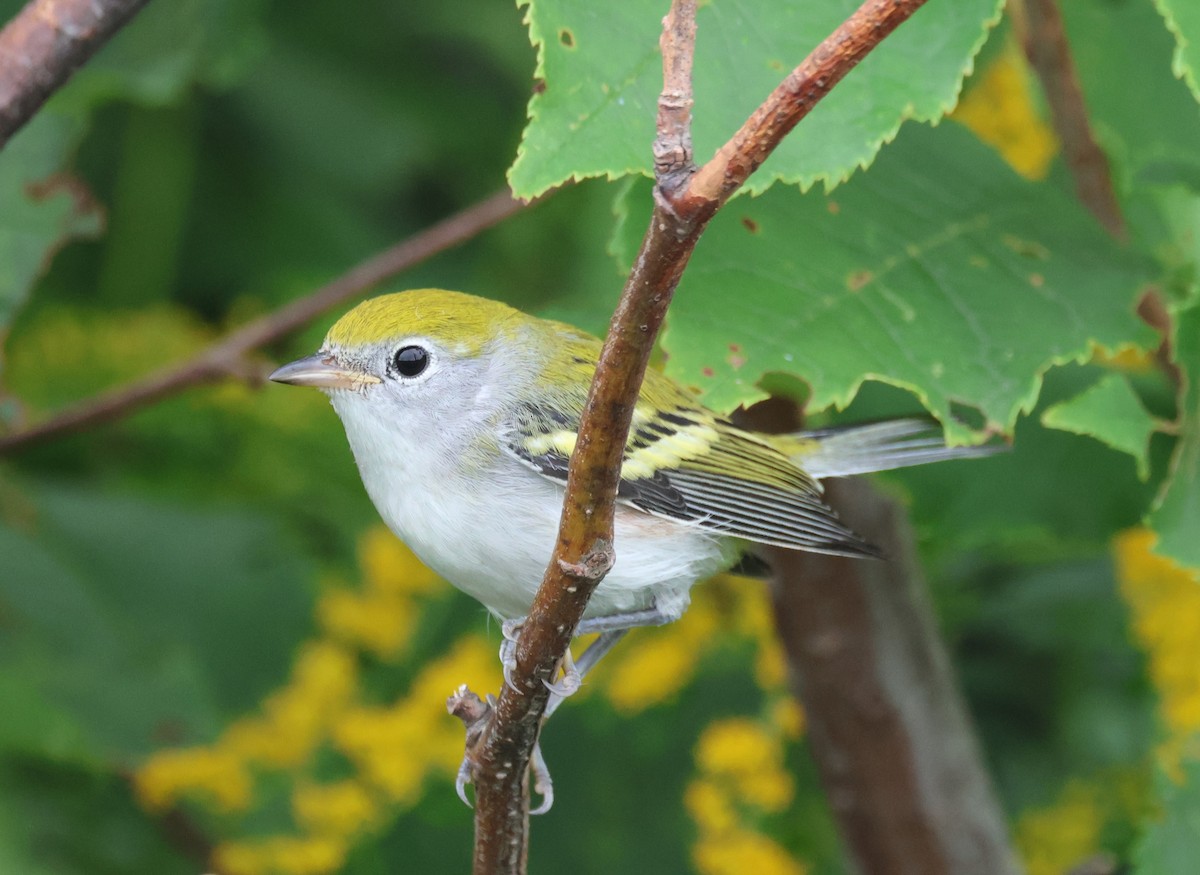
<point x="426" y="359"/>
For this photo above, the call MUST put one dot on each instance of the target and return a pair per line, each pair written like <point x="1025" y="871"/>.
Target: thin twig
<point x="796" y="95"/>
<point x="226" y="357"/>
<point x="44" y="44"/>
<point x="1043" y="35"/>
<point x="684" y="203"/>
<point x="673" y="144"/>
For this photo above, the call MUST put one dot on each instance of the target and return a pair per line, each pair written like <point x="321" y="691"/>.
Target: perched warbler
<point x="462" y="415"/>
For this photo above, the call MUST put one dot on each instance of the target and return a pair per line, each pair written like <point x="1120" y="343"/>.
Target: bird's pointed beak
<point x="322" y="371"/>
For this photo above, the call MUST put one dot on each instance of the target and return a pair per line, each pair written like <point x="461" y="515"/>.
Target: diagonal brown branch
<point x="1044" y="37"/>
<point x="47" y="42"/>
<point x="795" y="97"/>
<point x="684" y="203"/>
<point x="227" y="357"/>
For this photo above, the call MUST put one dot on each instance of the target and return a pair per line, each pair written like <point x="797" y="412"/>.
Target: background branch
<point x="45" y="44"/>
<point x="890" y="734"/>
<point x="1043" y="35"/>
<point x="226" y="357"/>
<point x="684" y="203"/>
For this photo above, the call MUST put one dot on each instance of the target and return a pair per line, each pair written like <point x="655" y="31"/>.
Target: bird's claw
<point x="542" y="785"/>
<point x="508" y="662"/>
<point x="462" y="779"/>
<point x="510" y="629"/>
<point x="572" y="678"/>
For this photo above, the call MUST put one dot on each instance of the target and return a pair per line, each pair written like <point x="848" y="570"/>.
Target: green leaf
<point x="1183" y="20"/>
<point x="36" y="726"/>
<point x="1122" y="53"/>
<point x="142" y="621"/>
<point x="39" y="210"/>
<point x="1109" y="411"/>
<point x="1029" y="647"/>
<point x="1171" y="845"/>
<point x="939" y="271"/>
<point x="165" y="49"/>
<point x="1054" y="494"/>
<point x="602" y="74"/>
<point x="1177" y="518"/>
<point x="62" y="820"/>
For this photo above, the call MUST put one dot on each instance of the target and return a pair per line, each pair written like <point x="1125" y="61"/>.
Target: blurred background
<point x="213" y="655"/>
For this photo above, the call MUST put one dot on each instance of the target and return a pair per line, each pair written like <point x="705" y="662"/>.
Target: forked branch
<point x="686" y="198"/>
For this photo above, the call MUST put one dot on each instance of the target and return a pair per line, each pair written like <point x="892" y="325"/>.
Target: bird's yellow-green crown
<point x="450" y="317"/>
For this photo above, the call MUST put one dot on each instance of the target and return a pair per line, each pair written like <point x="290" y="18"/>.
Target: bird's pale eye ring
<point x="410" y="361"/>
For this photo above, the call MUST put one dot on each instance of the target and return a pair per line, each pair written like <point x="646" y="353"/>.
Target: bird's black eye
<point x="410" y="361"/>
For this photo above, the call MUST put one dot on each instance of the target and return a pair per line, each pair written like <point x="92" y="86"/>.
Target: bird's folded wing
<point x="683" y="464"/>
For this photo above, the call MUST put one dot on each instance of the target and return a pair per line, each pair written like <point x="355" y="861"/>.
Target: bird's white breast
<point x="486" y="523"/>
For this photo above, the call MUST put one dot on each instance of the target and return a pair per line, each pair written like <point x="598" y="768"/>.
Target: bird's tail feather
<point x="879" y="446"/>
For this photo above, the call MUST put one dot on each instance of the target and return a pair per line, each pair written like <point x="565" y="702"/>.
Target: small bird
<point x="462" y="414"/>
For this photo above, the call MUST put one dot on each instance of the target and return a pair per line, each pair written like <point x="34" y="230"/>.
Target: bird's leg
<point x="610" y="629"/>
<point x="654" y="616"/>
<point x="542" y="784"/>
<point x="573" y="672"/>
<point x="586" y="662"/>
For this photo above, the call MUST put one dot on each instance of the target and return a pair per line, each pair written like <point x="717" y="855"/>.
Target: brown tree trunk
<point x="891" y="736"/>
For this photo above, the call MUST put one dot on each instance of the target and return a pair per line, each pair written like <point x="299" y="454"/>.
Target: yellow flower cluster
<point x="97" y="349"/>
<point x="379" y="617"/>
<point x="654" y="665"/>
<point x="741" y="777"/>
<point x="1054" y="839"/>
<point x="218" y="776"/>
<point x="321" y="708"/>
<point x="1058" y="837"/>
<point x="999" y="108"/>
<point x="742" y="852"/>
<point x="339" y="810"/>
<point x="312" y="855"/>
<point x="296" y="718"/>
<point x="293" y="721"/>
<point x="1165" y="600"/>
<point x="740" y="771"/>
<point x="396" y="747"/>
<point x="748" y="760"/>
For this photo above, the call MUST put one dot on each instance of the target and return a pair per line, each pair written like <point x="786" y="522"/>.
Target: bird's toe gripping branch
<point x="475" y="713"/>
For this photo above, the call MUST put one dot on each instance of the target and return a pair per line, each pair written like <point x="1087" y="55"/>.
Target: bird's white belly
<point x="496" y="546"/>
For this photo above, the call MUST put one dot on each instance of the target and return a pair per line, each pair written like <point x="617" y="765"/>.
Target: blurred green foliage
<point x="158" y="575"/>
